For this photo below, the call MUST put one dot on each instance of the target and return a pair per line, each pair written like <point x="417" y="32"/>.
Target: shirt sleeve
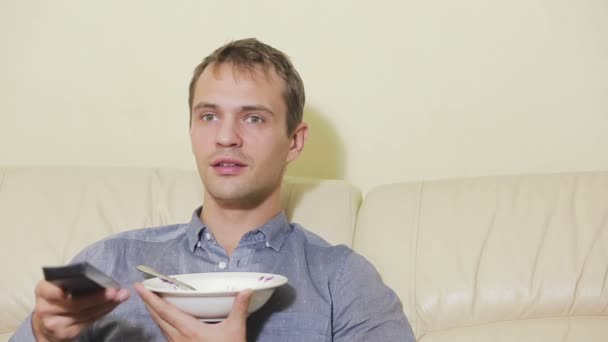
<point x="24" y="333"/>
<point x="365" y="309"/>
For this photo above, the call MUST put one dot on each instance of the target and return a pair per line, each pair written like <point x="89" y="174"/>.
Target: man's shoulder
<point x="318" y="247"/>
<point x="150" y="234"/>
<point x="133" y="238"/>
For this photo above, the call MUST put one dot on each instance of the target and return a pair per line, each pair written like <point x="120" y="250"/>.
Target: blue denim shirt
<point x="333" y="293"/>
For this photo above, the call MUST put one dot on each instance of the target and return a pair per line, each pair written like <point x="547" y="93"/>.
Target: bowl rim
<point x="281" y="280"/>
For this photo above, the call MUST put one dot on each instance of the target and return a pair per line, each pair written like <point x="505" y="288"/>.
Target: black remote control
<point x="80" y="278"/>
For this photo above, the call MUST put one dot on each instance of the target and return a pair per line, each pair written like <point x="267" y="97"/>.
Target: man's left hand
<point x="179" y="326"/>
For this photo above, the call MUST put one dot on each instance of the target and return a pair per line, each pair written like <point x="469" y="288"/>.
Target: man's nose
<point x="228" y="134"/>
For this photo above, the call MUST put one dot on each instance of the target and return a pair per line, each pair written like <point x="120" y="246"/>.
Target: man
<point x="246" y="105"/>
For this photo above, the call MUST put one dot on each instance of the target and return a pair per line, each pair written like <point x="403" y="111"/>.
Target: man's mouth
<point x="225" y="163"/>
<point x="228" y="166"/>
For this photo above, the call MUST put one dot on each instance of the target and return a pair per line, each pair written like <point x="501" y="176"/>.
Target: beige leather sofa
<point x="515" y="258"/>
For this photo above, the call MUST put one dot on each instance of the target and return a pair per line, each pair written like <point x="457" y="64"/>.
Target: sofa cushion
<point x="489" y="256"/>
<point x="48" y="214"/>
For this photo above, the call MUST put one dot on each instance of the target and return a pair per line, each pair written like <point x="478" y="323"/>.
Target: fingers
<point x="168" y="330"/>
<point x="240" y="306"/>
<point x="177" y="325"/>
<point x="64" y="302"/>
<point x="60" y="316"/>
<point x="173" y="322"/>
<point x="50" y="291"/>
<point x="56" y="328"/>
<point x="235" y="324"/>
<point x="164" y="310"/>
<point x="63" y="327"/>
<point x="116" y="295"/>
<point x="108" y="296"/>
<point x="94" y="313"/>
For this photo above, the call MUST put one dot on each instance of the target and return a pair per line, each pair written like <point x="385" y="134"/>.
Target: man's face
<point x="239" y="134"/>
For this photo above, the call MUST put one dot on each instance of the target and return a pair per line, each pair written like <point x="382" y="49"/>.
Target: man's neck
<point x="229" y="223"/>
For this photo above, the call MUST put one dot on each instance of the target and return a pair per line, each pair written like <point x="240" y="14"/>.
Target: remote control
<point x="80" y="278"/>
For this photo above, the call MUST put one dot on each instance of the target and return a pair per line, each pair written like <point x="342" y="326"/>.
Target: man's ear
<point x="298" y="139"/>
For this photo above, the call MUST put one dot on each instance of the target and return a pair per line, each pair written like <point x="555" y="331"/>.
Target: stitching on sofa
<point x="512" y="320"/>
<point x="155" y="198"/>
<point x="2" y="175"/>
<point x="72" y="226"/>
<point x="567" y="336"/>
<point x="414" y="259"/>
<point x="353" y="215"/>
<point x="480" y="256"/>
<point x="594" y="240"/>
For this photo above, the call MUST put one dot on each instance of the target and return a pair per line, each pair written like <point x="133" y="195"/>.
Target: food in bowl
<point x="215" y="292"/>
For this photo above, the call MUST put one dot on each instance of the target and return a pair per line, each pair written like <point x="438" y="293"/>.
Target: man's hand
<point x="179" y="326"/>
<point x="58" y="316"/>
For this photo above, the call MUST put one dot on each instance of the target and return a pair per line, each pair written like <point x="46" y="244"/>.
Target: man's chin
<point x="240" y="197"/>
<point x="238" y="203"/>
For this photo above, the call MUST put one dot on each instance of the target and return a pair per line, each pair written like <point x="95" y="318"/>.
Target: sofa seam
<point x="156" y="197"/>
<point x="353" y="222"/>
<point x="415" y="256"/>
<point x="3" y="175"/>
<point x="511" y="320"/>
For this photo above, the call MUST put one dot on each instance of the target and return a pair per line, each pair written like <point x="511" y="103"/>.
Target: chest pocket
<point x="294" y="327"/>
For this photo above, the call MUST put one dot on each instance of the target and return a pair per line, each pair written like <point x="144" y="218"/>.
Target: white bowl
<point x="215" y="292"/>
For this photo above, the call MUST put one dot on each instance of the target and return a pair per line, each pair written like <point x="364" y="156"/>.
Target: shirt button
<point x="207" y="236"/>
<point x="267" y="243"/>
<point x="221" y="265"/>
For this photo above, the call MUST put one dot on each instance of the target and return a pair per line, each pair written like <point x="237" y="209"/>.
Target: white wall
<point x="397" y="90"/>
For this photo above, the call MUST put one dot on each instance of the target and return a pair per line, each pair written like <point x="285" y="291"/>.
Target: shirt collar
<point x="276" y="231"/>
<point x="273" y="232"/>
<point x="195" y="229"/>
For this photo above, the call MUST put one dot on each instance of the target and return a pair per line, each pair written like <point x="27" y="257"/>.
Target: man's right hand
<point x="58" y="316"/>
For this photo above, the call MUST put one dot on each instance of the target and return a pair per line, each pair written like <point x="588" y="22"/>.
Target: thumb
<point x="240" y="306"/>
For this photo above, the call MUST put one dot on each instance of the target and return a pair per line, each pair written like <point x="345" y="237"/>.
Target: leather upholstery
<point x="48" y="214"/>
<point x="511" y="258"/>
<point x="517" y="258"/>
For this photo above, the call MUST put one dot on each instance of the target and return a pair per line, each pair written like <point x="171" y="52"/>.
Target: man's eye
<point x="254" y="119"/>
<point x="208" y="117"/>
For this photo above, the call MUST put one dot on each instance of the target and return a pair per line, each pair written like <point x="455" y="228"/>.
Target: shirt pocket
<point x="295" y="327"/>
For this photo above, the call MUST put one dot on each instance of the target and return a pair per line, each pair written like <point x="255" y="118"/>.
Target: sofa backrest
<point x="48" y="214"/>
<point x="518" y="258"/>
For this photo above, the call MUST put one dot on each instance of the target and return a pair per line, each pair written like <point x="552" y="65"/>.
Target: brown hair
<point x="249" y="54"/>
